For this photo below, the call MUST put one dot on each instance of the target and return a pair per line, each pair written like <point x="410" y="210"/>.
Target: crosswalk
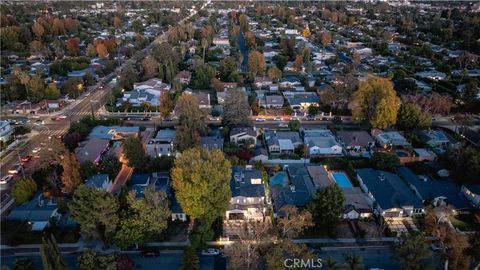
<point x="84" y="113"/>
<point x="53" y="132"/>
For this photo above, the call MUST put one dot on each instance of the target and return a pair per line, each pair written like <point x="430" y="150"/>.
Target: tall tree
<point x="376" y="103"/>
<point x="326" y="207"/>
<point x="325" y="38"/>
<point x="353" y="262"/>
<point x="23" y="189"/>
<point x="72" y="46"/>
<point x="293" y="222"/>
<point x="410" y="116"/>
<point x="236" y="109"/>
<point x="228" y="69"/>
<point x="190" y="123"/>
<point x="51" y="257"/>
<point x="256" y="64"/>
<point x="38" y="30"/>
<point x="150" y="66"/>
<point x="71" y="178"/>
<point x="190" y="260"/>
<point x="202" y="76"/>
<point x="52" y="92"/>
<point x="166" y="105"/>
<point x="385" y="161"/>
<point x="243" y="22"/>
<point x="201" y="180"/>
<point x="90" y="260"/>
<point x="413" y="250"/>
<point x="145" y="219"/>
<point x="134" y="152"/>
<point x="95" y="210"/>
<point x="274" y="74"/>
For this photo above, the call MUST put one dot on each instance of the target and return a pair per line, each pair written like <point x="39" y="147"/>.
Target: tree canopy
<point x="376" y="103"/>
<point x="410" y="116"/>
<point x="326" y="207"/>
<point x="96" y="212"/>
<point x="134" y="152"/>
<point x="201" y="180"/>
<point x="236" y="109"/>
<point x="23" y="189"/>
<point x="190" y="123"/>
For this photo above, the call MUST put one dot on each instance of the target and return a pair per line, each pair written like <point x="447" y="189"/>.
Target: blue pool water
<point x="341" y="179"/>
<point x="278" y="179"/>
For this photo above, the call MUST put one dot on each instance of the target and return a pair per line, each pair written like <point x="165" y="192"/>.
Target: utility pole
<point x="19" y="158"/>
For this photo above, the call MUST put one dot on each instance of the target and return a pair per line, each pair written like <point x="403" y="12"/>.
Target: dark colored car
<point x="149" y="252"/>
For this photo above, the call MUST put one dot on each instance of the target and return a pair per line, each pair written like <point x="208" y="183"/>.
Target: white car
<point x="210" y="252"/>
<point x="6" y="179"/>
<point x="15" y="169"/>
<point x="260" y="119"/>
<point x="36" y="150"/>
<point x="283" y="125"/>
<point x="277" y="119"/>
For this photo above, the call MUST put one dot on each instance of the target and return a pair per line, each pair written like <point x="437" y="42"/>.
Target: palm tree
<point x="353" y="262"/>
<point x="331" y="264"/>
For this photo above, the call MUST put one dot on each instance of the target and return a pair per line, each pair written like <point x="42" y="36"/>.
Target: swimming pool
<point x="341" y="179"/>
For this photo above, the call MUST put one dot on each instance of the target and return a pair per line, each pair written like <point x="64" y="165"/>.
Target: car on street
<point x="277" y="118"/>
<point x="6" y="179"/>
<point x="36" y="150"/>
<point x="39" y="122"/>
<point x="210" y="252"/>
<point x="214" y="118"/>
<point x="16" y="168"/>
<point x="283" y="125"/>
<point x="149" y="252"/>
<point x="26" y="158"/>
<point x="259" y="119"/>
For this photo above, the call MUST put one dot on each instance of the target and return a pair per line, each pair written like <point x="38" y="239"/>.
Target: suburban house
<point x="260" y="154"/>
<point x="273" y="101"/>
<point x="437" y="139"/>
<point x="391" y="139"/>
<point x="5" y="130"/>
<point x="355" y="142"/>
<point x="438" y="191"/>
<point x="291" y="187"/>
<point x="282" y="141"/>
<point x="248" y="200"/>
<point x="212" y="142"/>
<point x="355" y="204"/>
<point x="431" y="74"/>
<point x="301" y="100"/>
<point x="92" y="150"/>
<point x="240" y="135"/>
<point x="38" y="212"/>
<point x="203" y="99"/>
<point x="113" y="132"/>
<point x="25" y="107"/>
<point x="184" y="77"/>
<point x="472" y="193"/>
<point x="388" y="194"/>
<point x="262" y="82"/>
<point x="145" y="92"/>
<point x="99" y="181"/>
<point x="321" y="142"/>
<point x="163" y="144"/>
<point x="177" y="211"/>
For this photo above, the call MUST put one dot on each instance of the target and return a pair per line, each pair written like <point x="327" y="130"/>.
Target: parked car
<point x="6" y="179"/>
<point x="283" y="125"/>
<point x="149" y="253"/>
<point x="39" y="122"/>
<point x="36" y="150"/>
<point x="210" y="252"/>
<point x="26" y="158"/>
<point x="16" y="168"/>
<point x="277" y="118"/>
<point x="259" y="119"/>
